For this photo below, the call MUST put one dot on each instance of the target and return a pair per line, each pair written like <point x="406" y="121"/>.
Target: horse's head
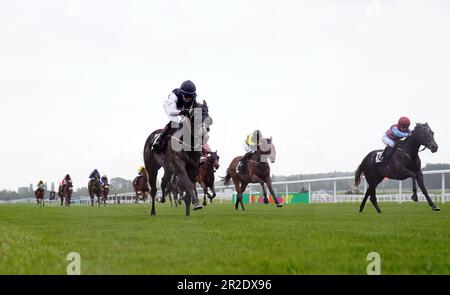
<point x="423" y="135"/>
<point x="199" y="122"/>
<point x="202" y="129"/>
<point x="214" y="158"/>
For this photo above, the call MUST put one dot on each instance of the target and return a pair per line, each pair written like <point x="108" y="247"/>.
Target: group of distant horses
<point x="99" y="190"/>
<point x="64" y="193"/>
<point x="95" y="187"/>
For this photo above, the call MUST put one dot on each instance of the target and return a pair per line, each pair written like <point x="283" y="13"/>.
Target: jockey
<point x="393" y="135"/>
<point x="41" y="184"/>
<point x="251" y="146"/>
<point x="179" y="102"/>
<point x="141" y="171"/>
<point x="94" y="174"/>
<point x="104" y="179"/>
<point x="205" y="151"/>
<point x="66" y="180"/>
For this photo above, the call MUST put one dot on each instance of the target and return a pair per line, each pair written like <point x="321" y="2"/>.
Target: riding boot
<point x="387" y="154"/>
<point x="243" y="162"/>
<point x="157" y="145"/>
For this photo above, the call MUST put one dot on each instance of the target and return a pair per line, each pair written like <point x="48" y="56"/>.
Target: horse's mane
<point x="418" y="128"/>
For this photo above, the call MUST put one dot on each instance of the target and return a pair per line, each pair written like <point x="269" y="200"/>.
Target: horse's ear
<point x="204" y="103"/>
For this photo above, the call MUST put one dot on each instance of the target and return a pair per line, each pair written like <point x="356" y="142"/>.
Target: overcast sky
<point x="82" y="83"/>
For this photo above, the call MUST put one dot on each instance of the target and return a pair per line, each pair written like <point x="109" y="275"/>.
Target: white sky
<point x="82" y="82"/>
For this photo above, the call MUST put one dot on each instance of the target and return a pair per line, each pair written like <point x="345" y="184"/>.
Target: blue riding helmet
<point x="188" y="88"/>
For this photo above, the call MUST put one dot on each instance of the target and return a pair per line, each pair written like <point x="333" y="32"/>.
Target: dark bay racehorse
<point x="205" y="176"/>
<point x="181" y="156"/>
<point x="257" y="171"/>
<point x="105" y="191"/>
<point x="404" y="163"/>
<point x="95" y="190"/>
<point x="65" y="192"/>
<point x="39" y="194"/>
<point x="141" y="188"/>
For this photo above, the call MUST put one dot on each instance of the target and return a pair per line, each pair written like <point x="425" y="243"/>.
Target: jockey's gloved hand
<point x="183" y="113"/>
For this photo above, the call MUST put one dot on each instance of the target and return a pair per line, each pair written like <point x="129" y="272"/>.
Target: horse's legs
<point x="164" y="181"/>
<point x="154" y="190"/>
<point x="414" y="188"/>
<point x="144" y="196"/>
<point x="237" y="185"/>
<point x="188" y="187"/>
<point x="421" y="184"/>
<point x="243" y="187"/>
<point x="187" y="202"/>
<point x="179" y="196"/>
<point x="170" y="198"/>
<point x="205" y="192"/>
<point x="363" y="203"/>
<point x="269" y="185"/>
<point x="213" y="189"/>
<point x="266" y="200"/>
<point x="373" y="199"/>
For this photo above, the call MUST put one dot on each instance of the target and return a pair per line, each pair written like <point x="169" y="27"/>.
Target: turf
<point x="295" y="239"/>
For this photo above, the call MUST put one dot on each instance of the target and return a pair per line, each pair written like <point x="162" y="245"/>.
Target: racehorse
<point x="65" y="192"/>
<point x="105" y="192"/>
<point x="181" y="157"/>
<point x="257" y="171"/>
<point x="404" y="163"/>
<point x="39" y="194"/>
<point x="205" y="176"/>
<point x="141" y="188"/>
<point x="95" y="190"/>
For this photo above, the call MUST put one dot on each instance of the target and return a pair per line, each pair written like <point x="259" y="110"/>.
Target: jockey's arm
<point x="170" y="105"/>
<point x="399" y="133"/>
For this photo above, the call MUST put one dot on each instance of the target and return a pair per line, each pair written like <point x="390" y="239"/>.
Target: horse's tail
<point x="227" y="178"/>
<point x="358" y="174"/>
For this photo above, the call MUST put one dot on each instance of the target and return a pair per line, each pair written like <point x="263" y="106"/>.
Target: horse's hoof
<point x="414" y="198"/>
<point x="279" y="205"/>
<point x="197" y="207"/>
<point x="435" y="208"/>
<point x="162" y="201"/>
